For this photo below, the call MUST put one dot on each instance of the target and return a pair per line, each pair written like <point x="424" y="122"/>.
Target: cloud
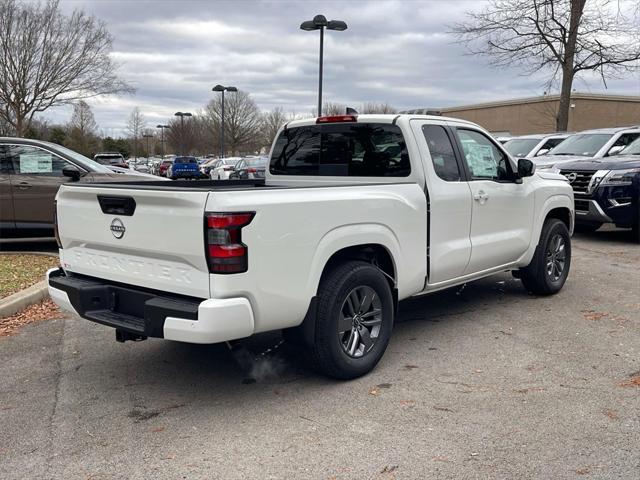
<point x="398" y="52"/>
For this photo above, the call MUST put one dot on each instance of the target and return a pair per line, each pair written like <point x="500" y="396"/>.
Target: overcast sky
<point x="398" y="52"/>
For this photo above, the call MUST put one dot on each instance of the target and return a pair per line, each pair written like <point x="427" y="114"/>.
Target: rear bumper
<point x="148" y="313"/>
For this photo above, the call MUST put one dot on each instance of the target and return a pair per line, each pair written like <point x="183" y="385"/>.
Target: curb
<point x="23" y="299"/>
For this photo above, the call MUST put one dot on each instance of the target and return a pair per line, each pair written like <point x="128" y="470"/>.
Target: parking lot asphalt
<point x="480" y="382"/>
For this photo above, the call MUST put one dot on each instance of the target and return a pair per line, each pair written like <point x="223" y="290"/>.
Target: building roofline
<point x="543" y="98"/>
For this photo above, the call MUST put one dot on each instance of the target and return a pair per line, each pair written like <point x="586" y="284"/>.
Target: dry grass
<point x="19" y="271"/>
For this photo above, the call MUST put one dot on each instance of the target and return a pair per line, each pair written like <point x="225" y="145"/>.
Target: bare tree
<point x="242" y="121"/>
<point x="564" y="37"/>
<point x="49" y="59"/>
<point x="271" y="123"/>
<point x="82" y="119"/>
<point x="372" y="107"/>
<point x="135" y="128"/>
<point x="81" y="130"/>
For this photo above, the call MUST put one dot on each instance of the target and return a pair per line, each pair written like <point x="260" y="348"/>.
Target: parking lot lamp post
<point x="147" y="136"/>
<point x="182" y="115"/>
<point x="220" y="88"/>
<point x="162" y="128"/>
<point x="320" y="22"/>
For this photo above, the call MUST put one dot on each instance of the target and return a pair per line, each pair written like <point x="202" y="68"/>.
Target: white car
<point x="600" y="143"/>
<point x="528" y="146"/>
<point x="223" y="167"/>
<point x="342" y="228"/>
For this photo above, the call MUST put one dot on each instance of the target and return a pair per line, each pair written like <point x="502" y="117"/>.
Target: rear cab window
<point x="341" y="150"/>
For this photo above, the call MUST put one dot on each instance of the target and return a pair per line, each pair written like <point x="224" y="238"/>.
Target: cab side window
<point x="442" y="154"/>
<point x="27" y="160"/>
<point x="483" y="159"/>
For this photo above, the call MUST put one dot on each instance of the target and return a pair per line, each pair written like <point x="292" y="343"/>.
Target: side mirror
<point x="72" y="172"/>
<point x="615" y="150"/>
<point x="542" y="151"/>
<point x="525" y="167"/>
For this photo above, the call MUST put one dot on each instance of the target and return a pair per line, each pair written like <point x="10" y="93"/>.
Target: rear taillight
<point x="251" y="170"/>
<point x="223" y="241"/>
<point x="55" y="223"/>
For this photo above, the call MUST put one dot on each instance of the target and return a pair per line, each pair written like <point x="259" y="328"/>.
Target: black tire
<point x="329" y="354"/>
<point x="587" y="227"/>
<point x="536" y="277"/>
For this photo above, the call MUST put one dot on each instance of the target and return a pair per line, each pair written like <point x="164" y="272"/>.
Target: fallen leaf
<point x="158" y="429"/>
<point x="583" y="471"/>
<point x="46" y="310"/>
<point x="410" y="367"/>
<point x="593" y="316"/>
<point x="407" y="403"/>
<point x="389" y="469"/>
<point x="612" y="414"/>
<point x="373" y="391"/>
<point x="632" y="382"/>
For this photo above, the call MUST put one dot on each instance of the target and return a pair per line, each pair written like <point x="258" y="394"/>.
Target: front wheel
<point x="549" y="267"/>
<point x="354" y="320"/>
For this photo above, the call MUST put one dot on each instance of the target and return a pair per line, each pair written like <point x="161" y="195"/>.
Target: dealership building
<point x="538" y="114"/>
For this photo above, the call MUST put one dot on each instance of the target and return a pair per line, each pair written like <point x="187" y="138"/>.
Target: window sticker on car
<point x="36" y="163"/>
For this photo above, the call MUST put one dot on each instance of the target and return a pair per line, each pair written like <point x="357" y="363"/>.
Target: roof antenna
<point x="351" y="111"/>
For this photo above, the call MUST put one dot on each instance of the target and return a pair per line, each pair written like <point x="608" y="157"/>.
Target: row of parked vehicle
<point x="229" y="168"/>
<point x="602" y="166"/>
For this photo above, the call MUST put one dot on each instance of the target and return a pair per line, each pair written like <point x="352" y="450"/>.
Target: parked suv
<point x="600" y="143"/>
<point x="183" y="167"/>
<point x="31" y="171"/>
<point x="529" y="146"/>
<point x="607" y="190"/>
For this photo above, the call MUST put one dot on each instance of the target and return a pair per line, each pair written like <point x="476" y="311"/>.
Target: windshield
<point x="521" y="147"/>
<point x="632" y="149"/>
<point x="583" y="144"/>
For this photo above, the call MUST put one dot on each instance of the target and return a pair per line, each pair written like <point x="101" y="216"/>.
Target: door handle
<point x="24" y="185"/>
<point x="481" y="197"/>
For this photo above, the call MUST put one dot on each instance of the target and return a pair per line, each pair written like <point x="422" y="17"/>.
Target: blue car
<point x="184" y="167"/>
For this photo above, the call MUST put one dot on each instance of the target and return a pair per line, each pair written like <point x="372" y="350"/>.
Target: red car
<point x="162" y="170"/>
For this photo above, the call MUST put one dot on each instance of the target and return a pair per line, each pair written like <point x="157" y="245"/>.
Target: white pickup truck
<point x="355" y="214"/>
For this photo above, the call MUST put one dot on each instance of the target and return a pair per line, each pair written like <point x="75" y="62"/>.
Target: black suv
<point x="607" y="190"/>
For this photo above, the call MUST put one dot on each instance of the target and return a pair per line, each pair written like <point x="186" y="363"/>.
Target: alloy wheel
<point x="556" y="257"/>
<point x="359" y="322"/>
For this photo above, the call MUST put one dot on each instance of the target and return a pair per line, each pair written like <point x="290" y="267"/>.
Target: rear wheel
<point x="354" y="320"/>
<point x="549" y="267"/>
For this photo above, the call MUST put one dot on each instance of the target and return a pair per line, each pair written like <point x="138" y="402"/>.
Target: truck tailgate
<point x="149" y="238"/>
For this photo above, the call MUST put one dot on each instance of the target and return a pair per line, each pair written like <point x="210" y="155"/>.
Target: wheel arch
<point x="373" y="244"/>
<point x="556" y="206"/>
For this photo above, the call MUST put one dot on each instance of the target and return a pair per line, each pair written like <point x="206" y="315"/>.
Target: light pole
<point x="162" y="128"/>
<point x="320" y="22"/>
<point x="147" y="136"/>
<point x="182" y="115"/>
<point x="220" y="88"/>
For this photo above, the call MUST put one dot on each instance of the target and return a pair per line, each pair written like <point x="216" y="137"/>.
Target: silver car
<point x="223" y="167"/>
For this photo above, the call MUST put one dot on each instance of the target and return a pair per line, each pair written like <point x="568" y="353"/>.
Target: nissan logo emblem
<point x="571" y="177"/>
<point x="117" y="228"/>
